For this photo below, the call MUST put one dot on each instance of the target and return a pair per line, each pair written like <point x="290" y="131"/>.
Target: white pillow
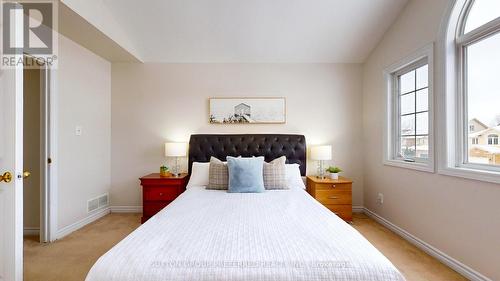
<point x="199" y="174"/>
<point x="293" y="176"/>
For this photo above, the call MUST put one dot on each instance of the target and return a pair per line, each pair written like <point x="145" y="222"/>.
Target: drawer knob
<point x="333" y="186"/>
<point x="161" y="193"/>
<point x="333" y="197"/>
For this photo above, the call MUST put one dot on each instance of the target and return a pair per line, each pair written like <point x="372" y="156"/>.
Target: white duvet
<point x="214" y="236"/>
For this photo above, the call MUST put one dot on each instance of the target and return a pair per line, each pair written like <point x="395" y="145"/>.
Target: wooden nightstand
<point x="336" y="195"/>
<point x="158" y="192"/>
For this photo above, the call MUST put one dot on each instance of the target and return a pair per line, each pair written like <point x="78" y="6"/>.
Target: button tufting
<point x="202" y="147"/>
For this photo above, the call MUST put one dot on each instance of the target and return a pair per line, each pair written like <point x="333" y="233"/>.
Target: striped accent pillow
<point x="275" y="174"/>
<point x="218" y="175"/>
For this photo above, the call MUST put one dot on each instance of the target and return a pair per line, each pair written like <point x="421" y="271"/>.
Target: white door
<point x="11" y="158"/>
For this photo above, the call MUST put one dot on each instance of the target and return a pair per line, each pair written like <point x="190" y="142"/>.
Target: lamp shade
<point x="321" y="152"/>
<point x="175" y="149"/>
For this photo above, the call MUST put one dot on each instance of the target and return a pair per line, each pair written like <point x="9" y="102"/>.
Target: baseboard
<point x="459" y="267"/>
<point x="358" y="209"/>
<point x="83" y="222"/>
<point x="31" y="231"/>
<point x="126" y="209"/>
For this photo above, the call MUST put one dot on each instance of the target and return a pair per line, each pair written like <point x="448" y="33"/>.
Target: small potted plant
<point x="164" y="171"/>
<point x="334" y="172"/>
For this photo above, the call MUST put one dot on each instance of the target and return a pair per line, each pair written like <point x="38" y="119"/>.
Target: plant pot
<point x="164" y="172"/>
<point x="334" y="176"/>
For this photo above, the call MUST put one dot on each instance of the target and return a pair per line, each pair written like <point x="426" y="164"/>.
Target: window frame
<point x="463" y="41"/>
<point x="392" y="135"/>
<point x="452" y="113"/>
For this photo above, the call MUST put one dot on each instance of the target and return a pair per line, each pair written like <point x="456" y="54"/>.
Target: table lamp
<point x="175" y="149"/>
<point x="321" y="153"/>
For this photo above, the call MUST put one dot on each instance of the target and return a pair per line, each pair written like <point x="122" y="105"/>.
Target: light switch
<point x="78" y="130"/>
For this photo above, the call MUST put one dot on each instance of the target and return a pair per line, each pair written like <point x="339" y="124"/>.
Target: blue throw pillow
<point x="245" y="174"/>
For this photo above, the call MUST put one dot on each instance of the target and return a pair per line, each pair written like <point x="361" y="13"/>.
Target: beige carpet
<point x="72" y="257"/>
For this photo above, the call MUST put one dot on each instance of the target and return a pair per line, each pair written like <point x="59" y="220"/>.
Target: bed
<point x="208" y="235"/>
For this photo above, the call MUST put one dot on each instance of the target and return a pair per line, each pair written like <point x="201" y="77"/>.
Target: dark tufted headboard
<point x="271" y="146"/>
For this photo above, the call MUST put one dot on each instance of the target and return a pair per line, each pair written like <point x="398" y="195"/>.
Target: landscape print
<point x="247" y="110"/>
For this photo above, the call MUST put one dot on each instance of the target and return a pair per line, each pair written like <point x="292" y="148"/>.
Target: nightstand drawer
<point x="335" y="186"/>
<point x="343" y="211"/>
<point x="150" y="209"/>
<point x="161" y="193"/>
<point x="334" y="196"/>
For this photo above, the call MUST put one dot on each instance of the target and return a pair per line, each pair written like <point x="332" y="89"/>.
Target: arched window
<point x="470" y="88"/>
<point x="493" y="139"/>
<point x="478" y="47"/>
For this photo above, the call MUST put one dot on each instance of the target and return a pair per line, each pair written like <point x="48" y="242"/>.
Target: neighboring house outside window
<point x="475" y="125"/>
<point x="484" y="146"/>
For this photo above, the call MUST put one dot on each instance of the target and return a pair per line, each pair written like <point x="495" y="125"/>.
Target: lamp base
<point x="176" y="170"/>
<point x="321" y="170"/>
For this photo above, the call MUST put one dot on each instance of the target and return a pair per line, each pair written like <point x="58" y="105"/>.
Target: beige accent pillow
<point x="218" y="174"/>
<point x="275" y="174"/>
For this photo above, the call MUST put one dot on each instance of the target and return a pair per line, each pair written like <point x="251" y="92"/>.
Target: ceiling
<point x="255" y="31"/>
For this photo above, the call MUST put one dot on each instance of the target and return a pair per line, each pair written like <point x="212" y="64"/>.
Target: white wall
<point x="460" y="217"/>
<point x="153" y="103"/>
<point x="98" y="14"/>
<point x="83" y="99"/>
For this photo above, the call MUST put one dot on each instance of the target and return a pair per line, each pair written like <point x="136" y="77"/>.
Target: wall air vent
<point x="98" y="202"/>
<point x="92" y="205"/>
<point x="103" y="200"/>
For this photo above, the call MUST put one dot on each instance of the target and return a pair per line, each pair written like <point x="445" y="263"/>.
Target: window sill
<point x="473" y="174"/>
<point x="423" y="167"/>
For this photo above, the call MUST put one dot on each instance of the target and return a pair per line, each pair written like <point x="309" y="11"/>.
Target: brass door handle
<point x="6" y="177"/>
<point x="26" y="174"/>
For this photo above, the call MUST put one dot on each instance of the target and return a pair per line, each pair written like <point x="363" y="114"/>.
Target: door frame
<point x="52" y="120"/>
<point x="48" y="141"/>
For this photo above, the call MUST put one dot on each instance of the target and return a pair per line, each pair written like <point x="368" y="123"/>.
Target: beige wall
<point x="460" y="217"/>
<point x="153" y="103"/>
<point x="31" y="148"/>
<point x="83" y="99"/>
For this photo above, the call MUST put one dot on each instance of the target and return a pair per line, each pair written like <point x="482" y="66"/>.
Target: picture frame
<point x="247" y="110"/>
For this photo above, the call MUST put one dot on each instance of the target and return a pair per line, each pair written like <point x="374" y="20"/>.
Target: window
<point x="412" y="94"/>
<point x="479" y="61"/>
<point x="493" y="139"/>
<point x="471" y="91"/>
<point x="409" y="140"/>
